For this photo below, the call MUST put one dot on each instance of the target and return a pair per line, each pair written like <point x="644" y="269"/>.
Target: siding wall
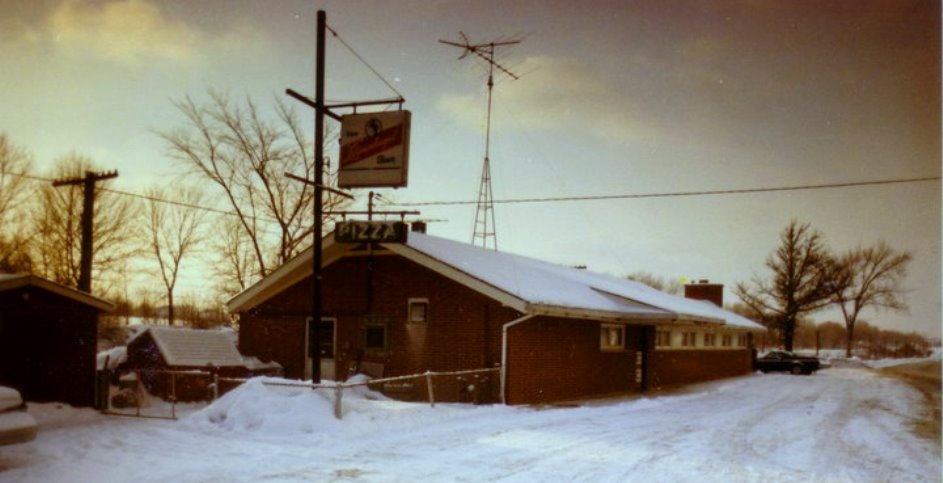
<point x="47" y="346"/>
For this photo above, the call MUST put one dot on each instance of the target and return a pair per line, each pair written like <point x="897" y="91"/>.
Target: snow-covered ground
<point x="842" y="424"/>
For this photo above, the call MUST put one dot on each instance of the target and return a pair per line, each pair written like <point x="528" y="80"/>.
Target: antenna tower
<point x="484" y="212"/>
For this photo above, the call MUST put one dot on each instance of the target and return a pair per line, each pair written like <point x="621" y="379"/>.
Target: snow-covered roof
<point x="192" y="347"/>
<point x="10" y="281"/>
<point x="528" y="285"/>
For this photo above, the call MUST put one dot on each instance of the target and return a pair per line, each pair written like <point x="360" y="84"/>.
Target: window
<point x="742" y="340"/>
<point x="376" y="333"/>
<point x="726" y="340"/>
<point x="612" y="337"/>
<point x="709" y="339"/>
<point x="663" y="338"/>
<point x="418" y="310"/>
<point x="689" y="339"/>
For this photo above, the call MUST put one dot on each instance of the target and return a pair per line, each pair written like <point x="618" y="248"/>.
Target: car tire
<point x="796" y="370"/>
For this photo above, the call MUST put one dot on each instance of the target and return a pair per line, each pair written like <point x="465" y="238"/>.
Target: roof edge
<point x="68" y="292"/>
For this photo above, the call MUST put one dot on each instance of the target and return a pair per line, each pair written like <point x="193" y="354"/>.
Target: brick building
<point x="435" y="304"/>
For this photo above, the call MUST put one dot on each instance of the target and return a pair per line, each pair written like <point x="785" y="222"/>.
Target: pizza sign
<point x="374" y="150"/>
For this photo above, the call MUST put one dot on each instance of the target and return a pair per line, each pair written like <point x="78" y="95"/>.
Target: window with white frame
<point x="726" y="340"/>
<point x="418" y="310"/>
<point x="709" y="339"/>
<point x="742" y="340"/>
<point x="689" y="339"/>
<point x="663" y="338"/>
<point x="612" y="337"/>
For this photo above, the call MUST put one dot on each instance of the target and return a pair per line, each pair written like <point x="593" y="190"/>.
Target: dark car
<point x="785" y="361"/>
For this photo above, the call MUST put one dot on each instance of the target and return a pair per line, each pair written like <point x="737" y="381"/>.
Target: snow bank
<point x="280" y="407"/>
<point x="258" y="408"/>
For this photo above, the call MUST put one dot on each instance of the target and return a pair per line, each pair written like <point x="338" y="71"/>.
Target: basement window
<point x="418" y="310"/>
<point x="612" y="337"/>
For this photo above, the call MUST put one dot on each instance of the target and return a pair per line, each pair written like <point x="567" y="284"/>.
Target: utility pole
<point x="484" y="211"/>
<point x="321" y="110"/>
<point x="88" y="211"/>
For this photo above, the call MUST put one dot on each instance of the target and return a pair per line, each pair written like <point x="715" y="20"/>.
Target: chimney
<point x="704" y="290"/>
<point x="418" y="226"/>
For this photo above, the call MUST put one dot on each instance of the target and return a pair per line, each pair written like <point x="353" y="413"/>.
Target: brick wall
<point x="551" y="359"/>
<point x="676" y="367"/>
<point x="463" y="330"/>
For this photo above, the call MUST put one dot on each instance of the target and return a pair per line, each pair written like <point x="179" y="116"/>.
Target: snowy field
<point x="842" y="424"/>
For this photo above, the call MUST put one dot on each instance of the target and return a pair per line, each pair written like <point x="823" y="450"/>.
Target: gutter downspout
<point x="504" y="352"/>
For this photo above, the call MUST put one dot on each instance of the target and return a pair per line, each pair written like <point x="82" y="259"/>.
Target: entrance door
<point x="328" y="340"/>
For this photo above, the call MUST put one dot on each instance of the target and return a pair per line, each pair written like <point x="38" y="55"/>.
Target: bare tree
<point x="672" y="286"/>
<point x="15" y="164"/>
<point x="235" y="268"/>
<point x="869" y="277"/>
<point x="246" y="157"/>
<point x="802" y="269"/>
<point x="58" y="230"/>
<point x="174" y="229"/>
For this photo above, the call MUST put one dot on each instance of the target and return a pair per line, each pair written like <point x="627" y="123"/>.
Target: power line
<point x="677" y="193"/>
<point x="140" y="196"/>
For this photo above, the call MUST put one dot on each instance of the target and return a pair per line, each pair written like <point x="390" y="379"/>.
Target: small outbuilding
<point x="182" y="364"/>
<point x="431" y="304"/>
<point x="48" y="339"/>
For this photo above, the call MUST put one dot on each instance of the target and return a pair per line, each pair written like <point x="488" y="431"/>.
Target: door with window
<point x="328" y="340"/>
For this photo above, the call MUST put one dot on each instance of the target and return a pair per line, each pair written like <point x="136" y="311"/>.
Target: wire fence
<point x="132" y="395"/>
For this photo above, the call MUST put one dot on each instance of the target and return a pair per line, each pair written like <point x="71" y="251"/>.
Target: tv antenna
<point x="484" y="211"/>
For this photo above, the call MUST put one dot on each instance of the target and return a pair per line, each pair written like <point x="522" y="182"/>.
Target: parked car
<point x="785" y="361"/>
<point x="16" y="425"/>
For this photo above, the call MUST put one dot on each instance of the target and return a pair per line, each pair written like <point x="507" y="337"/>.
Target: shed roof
<point x="10" y="281"/>
<point x="195" y="348"/>
<point x="528" y="285"/>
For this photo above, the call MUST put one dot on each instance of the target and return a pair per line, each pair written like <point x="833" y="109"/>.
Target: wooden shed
<point x="180" y="363"/>
<point x="48" y="339"/>
<point x="433" y="304"/>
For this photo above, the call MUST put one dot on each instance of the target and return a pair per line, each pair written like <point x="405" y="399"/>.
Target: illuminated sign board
<point x="374" y="150"/>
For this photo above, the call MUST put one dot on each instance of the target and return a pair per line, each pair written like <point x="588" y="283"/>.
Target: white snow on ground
<point x="882" y="363"/>
<point x="841" y="424"/>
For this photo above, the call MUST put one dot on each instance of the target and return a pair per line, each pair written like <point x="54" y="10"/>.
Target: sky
<point x="613" y="98"/>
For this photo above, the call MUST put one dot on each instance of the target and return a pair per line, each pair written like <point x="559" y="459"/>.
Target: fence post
<point x="215" y="385"/>
<point x="429" y="385"/>
<point x="138" y="393"/>
<point x="173" y="395"/>
<point x="338" y="396"/>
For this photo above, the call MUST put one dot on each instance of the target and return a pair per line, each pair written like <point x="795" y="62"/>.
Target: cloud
<point x="557" y="94"/>
<point x="122" y="31"/>
<point x="136" y="32"/>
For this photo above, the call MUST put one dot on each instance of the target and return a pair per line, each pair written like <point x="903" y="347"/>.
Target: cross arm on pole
<point x="313" y="104"/>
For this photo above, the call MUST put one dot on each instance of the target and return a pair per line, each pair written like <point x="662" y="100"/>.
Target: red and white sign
<point x="374" y="150"/>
